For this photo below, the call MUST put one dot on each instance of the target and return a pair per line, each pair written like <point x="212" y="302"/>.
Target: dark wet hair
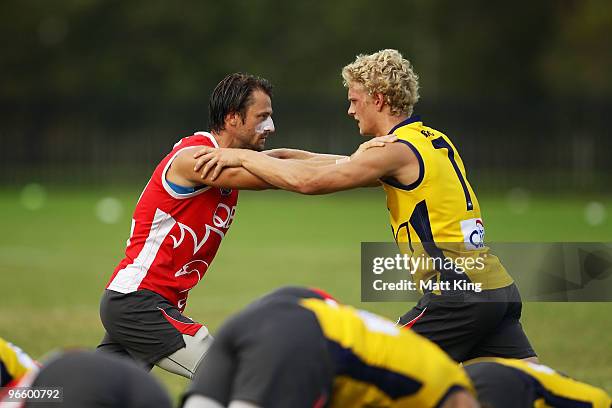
<point x="234" y="94"/>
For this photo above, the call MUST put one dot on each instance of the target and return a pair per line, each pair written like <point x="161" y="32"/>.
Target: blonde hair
<point x="388" y="73"/>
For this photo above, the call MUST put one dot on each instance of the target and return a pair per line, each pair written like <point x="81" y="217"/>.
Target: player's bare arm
<point x="318" y="159"/>
<point x="182" y="172"/>
<point x="313" y="159"/>
<point x="392" y="160"/>
<point x="327" y="159"/>
<point x="323" y="158"/>
<point x="296" y="154"/>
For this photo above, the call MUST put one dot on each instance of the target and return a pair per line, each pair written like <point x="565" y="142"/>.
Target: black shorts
<point x="272" y="354"/>
<point x="469" y="325"/>
<point x="98" y="380"/>
<point x="142" y="325"/>
<point x="500" y="386"/>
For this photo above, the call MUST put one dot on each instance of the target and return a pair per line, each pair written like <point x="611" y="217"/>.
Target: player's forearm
<point x="296" y="154"/>
<point x="285" y="153"/>
<point x="317" y="159"/>
<point x="291" y="175"/>
<point x="328" y="158"/>
<point x="304" y="177"/>
<point x="327" y="161"/>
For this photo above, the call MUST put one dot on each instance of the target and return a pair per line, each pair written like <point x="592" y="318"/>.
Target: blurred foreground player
<point x="507" y="383"/>
<point x="91" y="380"/>
<point x="297" y="348"/>
<point x="14" y="364"/>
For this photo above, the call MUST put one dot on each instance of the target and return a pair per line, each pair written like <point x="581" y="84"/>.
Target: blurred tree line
<point x="106" y="87"/>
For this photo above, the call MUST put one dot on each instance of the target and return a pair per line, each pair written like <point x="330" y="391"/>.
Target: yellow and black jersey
<point x="518" y="384"/>
<point x="14" y="363"/>
<point x="378" y="364"/>
<point x="298" y="348"/>
<point x="439" y="215"/>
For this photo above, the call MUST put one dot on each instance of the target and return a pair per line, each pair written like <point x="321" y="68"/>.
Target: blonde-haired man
<point x="431" y="206"/>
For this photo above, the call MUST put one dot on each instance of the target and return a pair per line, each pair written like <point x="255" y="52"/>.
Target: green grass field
<point x="55" y="261"/>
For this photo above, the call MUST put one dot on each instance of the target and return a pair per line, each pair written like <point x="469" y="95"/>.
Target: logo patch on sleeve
<point x="473" y="233"/>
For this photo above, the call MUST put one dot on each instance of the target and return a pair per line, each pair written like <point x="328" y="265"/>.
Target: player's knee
<point x="186" y="361"/>
<point x="201" y="343"/>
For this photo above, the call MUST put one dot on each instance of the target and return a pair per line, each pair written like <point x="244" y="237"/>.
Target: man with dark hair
<point x="177" y="227"/>
<point x="234" y="95"/>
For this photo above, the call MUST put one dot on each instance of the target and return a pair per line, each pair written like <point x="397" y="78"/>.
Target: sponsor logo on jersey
<point x="224" y="215"/>
<point x="473" y="233"/>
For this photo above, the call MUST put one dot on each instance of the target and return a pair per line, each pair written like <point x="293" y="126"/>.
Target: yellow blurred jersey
<point x="381" y="365"/>
<point x="439" y="213"/>
<point x="14" y="363"/>
<point x="554" y="389"/>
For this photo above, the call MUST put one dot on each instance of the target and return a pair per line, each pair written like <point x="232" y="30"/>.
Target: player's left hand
<point x="379" y="141"/>
<point x="216" y="159"/>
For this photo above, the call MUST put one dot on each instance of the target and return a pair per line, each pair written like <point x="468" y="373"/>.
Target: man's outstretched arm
<point x="296" y="154"/>
<point x="302" y="177"/>
<point x="182" y="172"/>
<point x="323" y="159"/>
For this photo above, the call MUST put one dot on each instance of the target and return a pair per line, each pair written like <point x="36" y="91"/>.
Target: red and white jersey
<point x="174" y="236"/>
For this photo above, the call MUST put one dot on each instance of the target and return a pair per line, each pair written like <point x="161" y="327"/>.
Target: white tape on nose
<point x="265" y="126"/>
